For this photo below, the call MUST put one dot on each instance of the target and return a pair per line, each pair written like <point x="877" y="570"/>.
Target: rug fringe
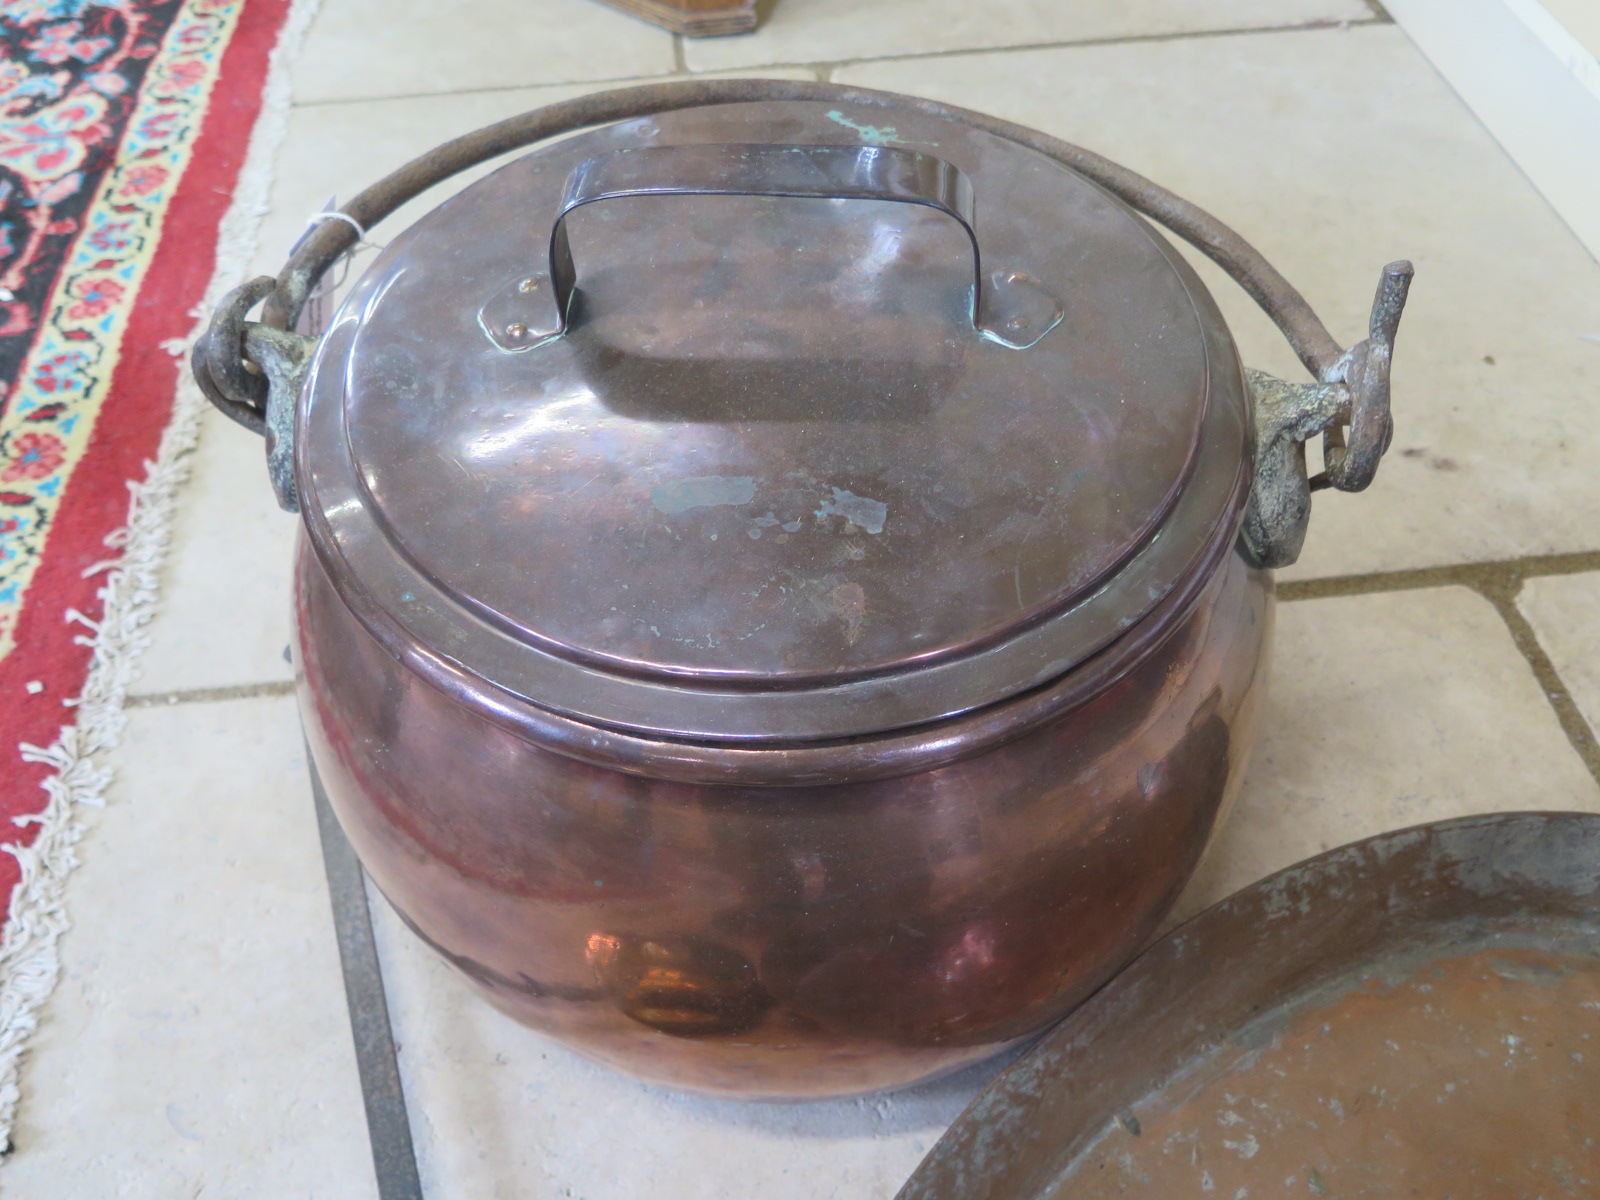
<point x="29" y="960"/>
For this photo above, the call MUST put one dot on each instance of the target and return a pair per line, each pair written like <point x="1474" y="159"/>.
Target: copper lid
<point x="763" y="422"/>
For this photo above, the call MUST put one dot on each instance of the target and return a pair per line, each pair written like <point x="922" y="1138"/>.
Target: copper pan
<point x="1417" y="1014"/>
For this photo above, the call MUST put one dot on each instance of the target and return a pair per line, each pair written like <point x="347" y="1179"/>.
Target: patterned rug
<point x="124" y="125"/>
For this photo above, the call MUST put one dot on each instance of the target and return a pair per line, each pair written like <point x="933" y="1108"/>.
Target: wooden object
<point x="694" y="18"/>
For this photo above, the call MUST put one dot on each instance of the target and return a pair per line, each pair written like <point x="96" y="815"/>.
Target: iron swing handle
<point x="1352" y="387"/>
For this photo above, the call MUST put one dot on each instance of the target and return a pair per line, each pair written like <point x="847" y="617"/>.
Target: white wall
<point x="1530" y="71"/>
<point x="1580" y="18"/>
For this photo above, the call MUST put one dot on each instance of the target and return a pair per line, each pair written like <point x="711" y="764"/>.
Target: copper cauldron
<point x="785" y="572"/>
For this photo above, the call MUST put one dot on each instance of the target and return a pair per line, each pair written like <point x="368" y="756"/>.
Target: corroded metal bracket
<point x="1353" y="394"/>
<point x="1287" y="416"/>
<point x="252" y="373"/>
<point x="285" y="358"/>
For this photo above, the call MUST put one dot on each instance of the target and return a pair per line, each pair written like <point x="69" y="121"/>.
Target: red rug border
<point x="144" y="381"/>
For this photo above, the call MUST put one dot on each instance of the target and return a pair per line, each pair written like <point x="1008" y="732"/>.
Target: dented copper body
<point x="783" y="593"/>
<point x="788" y="941"/>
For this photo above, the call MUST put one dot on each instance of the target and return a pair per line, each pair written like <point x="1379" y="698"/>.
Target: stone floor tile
<point x="365" y="49"/>
<point x="198" y="1044"/>
<point x="223" y="620"/>
<point x="804" y="31"/>
<point x="1565" y="613"/>
<point x="1334" y="152"/>
<point x="1383" y="712"/>
<point x="498" y="1110"/>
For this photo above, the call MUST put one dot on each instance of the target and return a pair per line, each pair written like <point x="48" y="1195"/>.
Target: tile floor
<point x="1439" y="648"/>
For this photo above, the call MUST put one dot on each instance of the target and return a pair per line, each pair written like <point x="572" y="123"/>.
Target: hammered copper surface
<point x="788" y="941"/>
<point x="1414" y="1015"/>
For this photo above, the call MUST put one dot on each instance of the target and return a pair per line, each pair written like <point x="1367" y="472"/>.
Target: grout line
<point x="681" y="63"/>
<point x="1132" y="39"/>
<point x="241" y="691"/>
<point x="1379" y="11"/>
<point x="1573" y="722"/>
<point x="1480" y="576"/>
<point x="825" y="71"/>
<point x="394" y="1156"/>
<point x="608" y="81"/>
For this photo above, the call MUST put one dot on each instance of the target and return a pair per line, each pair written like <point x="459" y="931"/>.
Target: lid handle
<point x="1009" y="308"/>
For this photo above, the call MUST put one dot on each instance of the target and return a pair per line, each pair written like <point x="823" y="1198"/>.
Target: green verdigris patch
<point x="871" y="134"/>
